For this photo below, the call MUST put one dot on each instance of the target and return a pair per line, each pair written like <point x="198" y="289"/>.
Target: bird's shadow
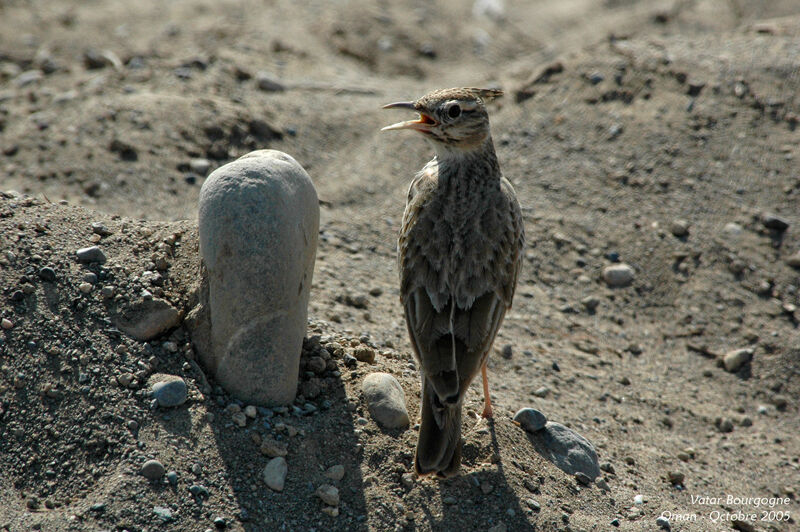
<point x="485" y="493"/>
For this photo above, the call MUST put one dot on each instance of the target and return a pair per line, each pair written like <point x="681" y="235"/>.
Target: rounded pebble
<point x="274" y="473"/>
<point x="47" y="274"/>
<point x="328" y="494"/>
<point x="170" y="393"/>
<point x="530" y="419"/>
<point x="618" y="275"/>
<point x="679" y="228"/>
<point x="385" y="400"/>
<point x="152" y="470"/>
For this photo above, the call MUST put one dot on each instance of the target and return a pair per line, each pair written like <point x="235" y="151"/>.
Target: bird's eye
<point x="454" y="111"/>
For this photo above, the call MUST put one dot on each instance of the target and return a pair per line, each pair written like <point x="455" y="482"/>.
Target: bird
<point x="458" y="255"/>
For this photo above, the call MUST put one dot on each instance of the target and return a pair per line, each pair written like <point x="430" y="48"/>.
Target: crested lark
<point x="459" y="254"/>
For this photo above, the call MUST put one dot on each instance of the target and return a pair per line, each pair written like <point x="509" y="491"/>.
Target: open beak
<point x="424" y="123"/>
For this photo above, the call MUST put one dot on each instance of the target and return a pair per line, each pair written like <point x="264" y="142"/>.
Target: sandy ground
<point x="622" y="120"/>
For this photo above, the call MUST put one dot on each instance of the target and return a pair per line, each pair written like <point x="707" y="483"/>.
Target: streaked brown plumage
<point x="459" y="254"/>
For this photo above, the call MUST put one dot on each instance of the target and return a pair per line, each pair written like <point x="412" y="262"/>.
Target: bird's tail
<point x="439" y="444"/>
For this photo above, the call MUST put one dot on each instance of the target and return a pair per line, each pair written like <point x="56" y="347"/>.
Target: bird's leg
<point x="487" y="401"/>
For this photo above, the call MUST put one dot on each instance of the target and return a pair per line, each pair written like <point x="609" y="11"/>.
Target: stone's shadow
<point x="175" y="421"/>
<point x="471" y="498"/>
<point x="325" y="438"/>
<point x="566" y="449"/>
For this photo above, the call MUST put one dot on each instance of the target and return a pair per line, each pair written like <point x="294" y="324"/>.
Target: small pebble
<point x="200" y="166"/>
<point x="638" y="499"/>
<point x="507" y="352"/>
<point x="773" y="221"/>
<point x="794" y="260"/>
<point x="733" y="229"/>
<point x="198" y="490"/>
<point x="274" y="473"/>
<point x="675" y="477"/>
<point x="85" y="287"/>
<point x="99" y="229"/>
<point x="450" y="500"/>
<point x="385" y="400"/>
<point x="164" y="513"/>
<point x="663" y="522"/>
<point x="530" y="419"/>
<point x="6" y="323"/>
<point x="590" y="303"/>
<point x="335" y="472"/>
<point x="273" y="448"/>
<point x="240" y="419"/>
<point x="733" y="360"/>
<point x="170" y="393"/>
<point x="332" y="511"/>
<point x="267" y="83"/>
<point x="724" y="424"/>
<point x="618" y="275"/>
<point x="152" y="470"/>
<point x="172" y="478"/>
<point x="47" y="274"/>
<point x="91" y="254"/>
<point x="328" y="494"/>
<point x="364" y="354"/>
<point x="542" y="391"/>
<point x="679" y="228"/>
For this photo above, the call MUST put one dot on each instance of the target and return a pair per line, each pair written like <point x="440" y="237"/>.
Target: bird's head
<point x="451" y="118"/>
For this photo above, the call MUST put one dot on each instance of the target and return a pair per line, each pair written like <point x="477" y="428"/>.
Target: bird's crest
<point x="487" y="95"/>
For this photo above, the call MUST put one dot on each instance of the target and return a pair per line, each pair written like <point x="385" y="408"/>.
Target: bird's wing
<point x="512" y="244"/>
<point x="451" y="338"/>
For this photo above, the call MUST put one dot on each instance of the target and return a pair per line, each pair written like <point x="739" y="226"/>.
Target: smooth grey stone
<point x="91" y="254"/>
<point x="152" y="470"/>
<point x="386" y="400"/>
<point x="258" y="228"/>
<point x="568" y="450"/>
<point x="618" y="275"/>
<point x="274" y="473"/>
<point x="169" y="391"/>
<point x="530" y="419"/>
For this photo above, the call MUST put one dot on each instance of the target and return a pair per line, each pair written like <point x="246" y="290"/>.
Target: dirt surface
<point x="624" y="123"/>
